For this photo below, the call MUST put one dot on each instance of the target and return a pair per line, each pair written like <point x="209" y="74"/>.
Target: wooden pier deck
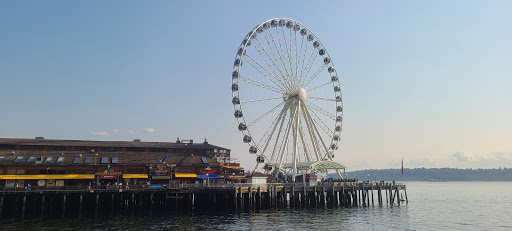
<point x="59" y="200"/>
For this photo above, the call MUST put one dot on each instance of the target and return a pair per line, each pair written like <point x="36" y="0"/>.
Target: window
<point x="31" y="160"/>
<point x="2" y="159"/>
<point x="115" y="160"/>
<point x="18" y="159"/>
<point x="39" y="160"/>
<point x="135" y="170"/>
<point x="88" y="160"/>
<point x="11" y="171"/>
<point x="104" y="160"/>
<point x="60" y="160"/>
<point x="205" y="161"/>
<point x="77" y="160"/>
<point x="49" y="160"/>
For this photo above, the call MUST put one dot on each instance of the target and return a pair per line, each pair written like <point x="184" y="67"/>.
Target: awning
<point x="227" y="176"/>
<point x="185" y="175"/>
<point x="133" y="176"/>
<point x="47" y="177"/>
<point x="235" y="167"/>
<point x="210" y="176"/>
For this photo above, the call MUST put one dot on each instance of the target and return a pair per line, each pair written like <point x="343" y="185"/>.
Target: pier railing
<point x="183" y="186"/>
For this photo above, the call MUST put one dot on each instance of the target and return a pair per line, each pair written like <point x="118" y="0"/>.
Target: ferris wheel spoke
<point x="264" y="59"/>
<point x="275" y="59"/>
<point x="279" y="120"/>
<point x="286" y="140"/>
<point x="299" y="59"/>
<point x="294" y="74"/>
<point x="265" y="114"/>
<point x="314" y="88"/>
<point x="321" y="110"/>
<point x="312" y="134"/>
<point x="322" y="125"/>
<point x="258" y="100"/>
<point x="314" y="75"/>
<point x="285" y="110"/>
<point x="311" y="60"/>
<point x="313" y="124"/>
<point x="281" y="54"/>
<point x="261" y="85"/>
<point x="304" y="143"/>
<point x="320" y="98"/>
<point x="289" y="56"/>
<point x="261" y="69"/>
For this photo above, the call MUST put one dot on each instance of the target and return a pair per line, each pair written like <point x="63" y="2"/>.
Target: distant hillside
<point x="438" y="174"/>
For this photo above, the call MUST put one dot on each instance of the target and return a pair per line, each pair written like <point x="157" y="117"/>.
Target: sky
<point x="426" y="81"/>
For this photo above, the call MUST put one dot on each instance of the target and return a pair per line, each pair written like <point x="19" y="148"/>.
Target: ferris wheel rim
<point x="242" y="119"/>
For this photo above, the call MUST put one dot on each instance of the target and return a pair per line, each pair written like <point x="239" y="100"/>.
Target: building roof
<point x="91" y="143"/>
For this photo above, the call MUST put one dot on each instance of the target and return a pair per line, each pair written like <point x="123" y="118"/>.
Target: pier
<point x="79" y="199"/>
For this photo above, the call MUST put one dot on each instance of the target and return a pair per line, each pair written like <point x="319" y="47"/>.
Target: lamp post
<point x="375" y="177"/>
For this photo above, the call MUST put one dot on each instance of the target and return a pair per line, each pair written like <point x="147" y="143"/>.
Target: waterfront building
<point x="52" y="163"/>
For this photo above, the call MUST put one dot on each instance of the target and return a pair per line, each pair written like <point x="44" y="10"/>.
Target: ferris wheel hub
<point x="302" y="94"/>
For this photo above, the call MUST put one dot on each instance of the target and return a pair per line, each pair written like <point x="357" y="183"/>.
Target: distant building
<point x="48" y="162"/>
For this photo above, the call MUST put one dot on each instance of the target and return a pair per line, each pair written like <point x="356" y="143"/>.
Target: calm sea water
<point x="432" y="206"/>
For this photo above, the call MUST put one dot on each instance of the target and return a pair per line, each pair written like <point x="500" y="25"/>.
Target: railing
<point x="183" y="186"/>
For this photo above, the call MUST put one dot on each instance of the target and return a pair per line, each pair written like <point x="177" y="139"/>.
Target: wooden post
<point x="235" y="199"/>
<point x="23" y="208"/>
<point x="292" y="198"/>
<point x="1" y="204"/>
<point x="304" y="196"/>
<point x="387" y="197"/>
<point x="97" y="201"/>
<point x="397" y="195"/>
<point x="406" y="199"/>
<point x="81" y="203"/>
<point x="373" y="204"/>
<point x="151" y="200"/>
<point x="112" y="204"/>
<point x="64" y="205"/>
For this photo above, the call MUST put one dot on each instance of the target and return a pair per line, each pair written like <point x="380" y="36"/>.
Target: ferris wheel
<point x="286" y="96"/>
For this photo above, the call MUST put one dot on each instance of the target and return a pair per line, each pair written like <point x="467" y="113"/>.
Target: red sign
<point x="205" y="171"/>
<point x="108" y="177"/>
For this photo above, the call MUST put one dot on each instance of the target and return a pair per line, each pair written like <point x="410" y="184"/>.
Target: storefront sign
<point x="41" y="182"/>
<point x="9" y="184"/>
<point x="59" y="183"/>
<point x="161" y="171"/>
<point x="108" y="177"/>
<point x="109" y="173"/>
<point x="20" y="183"/>
<point x="156" y="186"/>
<point x="51" y="183"/>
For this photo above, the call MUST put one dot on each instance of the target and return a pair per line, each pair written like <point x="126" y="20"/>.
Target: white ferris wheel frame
<point x="299" y="106"/>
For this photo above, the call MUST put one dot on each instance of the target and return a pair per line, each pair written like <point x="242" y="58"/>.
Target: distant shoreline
<point x="432" y="174"/>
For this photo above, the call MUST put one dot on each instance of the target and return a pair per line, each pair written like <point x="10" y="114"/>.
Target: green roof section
<point x="317" y="165"/>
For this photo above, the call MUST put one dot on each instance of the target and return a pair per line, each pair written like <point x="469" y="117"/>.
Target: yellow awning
<point x="189" y="175"/>
<point x="236" y="167"/>
<point x="47" y="177"/>
<point x="135" y="175"/>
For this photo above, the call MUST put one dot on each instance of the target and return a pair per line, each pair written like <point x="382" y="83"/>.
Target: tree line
<point x="432" y="174"/>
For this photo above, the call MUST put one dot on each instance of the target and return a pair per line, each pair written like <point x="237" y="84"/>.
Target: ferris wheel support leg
<point x="295" y="144"/>
<point x="339" y="174"/>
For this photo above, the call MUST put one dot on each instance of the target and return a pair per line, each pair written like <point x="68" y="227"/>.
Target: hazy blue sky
<point x="427" y="80"/>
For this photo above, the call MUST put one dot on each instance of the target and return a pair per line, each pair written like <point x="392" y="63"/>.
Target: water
<point x="432" y="206"/>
